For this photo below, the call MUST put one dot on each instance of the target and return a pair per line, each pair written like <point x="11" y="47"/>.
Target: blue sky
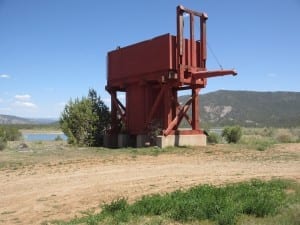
<point x="55" y="50"/>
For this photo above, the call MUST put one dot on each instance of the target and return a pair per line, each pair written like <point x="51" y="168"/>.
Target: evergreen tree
<point x="85" y="120"/>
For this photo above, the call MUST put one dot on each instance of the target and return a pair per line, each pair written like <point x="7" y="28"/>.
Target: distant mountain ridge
<point x="9" y="119"/>
<point x="221" y="108"/>
<point x="250" y="108"/>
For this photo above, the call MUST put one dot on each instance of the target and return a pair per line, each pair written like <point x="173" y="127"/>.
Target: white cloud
<point x="25" y="104"/>
<point x="23" y="98"/>
<point x="5" y="76"/>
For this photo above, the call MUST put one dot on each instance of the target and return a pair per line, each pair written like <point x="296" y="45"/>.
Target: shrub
<point x="213" y="138"/>
<point x="58" y="138"/>
<point x="285" y="136"/>
<point x="3" y="140"/>
<point x="12" y="133"/>
<point x="232" y="134"/>
<point x="3" y="143"/>
<point x="263" y="145"/>
<point x="268" y="132"/>
<point x="296" y="134"/>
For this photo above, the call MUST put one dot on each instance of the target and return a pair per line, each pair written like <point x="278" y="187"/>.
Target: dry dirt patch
<point x="61" y="189"/>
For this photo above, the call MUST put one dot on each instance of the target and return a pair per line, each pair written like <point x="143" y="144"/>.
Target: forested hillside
<point x="249" y="108"/>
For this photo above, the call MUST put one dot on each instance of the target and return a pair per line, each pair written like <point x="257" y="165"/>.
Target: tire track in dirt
<point x="42" y="192"/>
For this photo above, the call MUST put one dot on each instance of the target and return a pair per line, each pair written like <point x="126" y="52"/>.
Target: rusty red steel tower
<point x="151" y="73"/>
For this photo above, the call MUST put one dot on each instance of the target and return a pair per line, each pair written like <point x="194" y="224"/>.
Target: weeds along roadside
<point x="261" y="138"/>
<point x="227" y="205"/>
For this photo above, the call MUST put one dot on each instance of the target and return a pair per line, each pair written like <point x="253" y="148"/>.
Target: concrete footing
<point x="141" y="141"/>
<point x="124" y="140"/>
<point x="181" y="140"/>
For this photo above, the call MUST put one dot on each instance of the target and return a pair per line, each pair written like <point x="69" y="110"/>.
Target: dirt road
<point x="61" y="190"/>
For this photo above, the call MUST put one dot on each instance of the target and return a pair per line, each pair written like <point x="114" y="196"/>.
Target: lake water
<point x="218" y="131"/>
<point x="43" y="136"/>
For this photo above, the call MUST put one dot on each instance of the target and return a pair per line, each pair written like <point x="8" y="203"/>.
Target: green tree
<point x="8" y="133"/>
<point x="85" y="120"/>
<point x="12" y="133"/>
<point x="103" y="117"/>
<point x="232" y="134"/>
<point x="3" y="139"/>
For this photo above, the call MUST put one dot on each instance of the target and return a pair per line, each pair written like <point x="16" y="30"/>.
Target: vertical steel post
<point x="195" y="108"/>
<point x="114" y="113"/>
<point x="192" y="41"/>
<point x="203" y="54"/>
<point x="174" y="104"/>
<point x="180" y="43"/>
<point x="167" y="106"/>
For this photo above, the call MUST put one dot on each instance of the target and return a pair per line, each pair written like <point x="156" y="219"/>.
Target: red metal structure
<point x="151" y="73"/>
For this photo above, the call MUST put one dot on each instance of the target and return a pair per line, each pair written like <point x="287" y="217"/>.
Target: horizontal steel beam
<point x="213" y="73"/>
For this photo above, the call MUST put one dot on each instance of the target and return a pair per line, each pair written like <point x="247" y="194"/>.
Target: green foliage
<point x="258" y="142"/>
<point x="12" y="133"/>
<point x="268" y="132"/>
<point x="222" y="205"/>
<point x="213" y="138"/>
<point x="261" y="198"/>
<point x="118" y="210"/>
<point x="3" y="143"/>
<point x="264" y="138"/>
<point x="85" y="120"/>
<point x="249" y="109"/>
<point x="58" y="138"/>
<point x="232" y="134"/>
<point x="284" y="138"/>
<point x="114" y="206"/>
<point x="263" y="145"/>
<point x="8" y="133"/>
<point x="3" y="139"/>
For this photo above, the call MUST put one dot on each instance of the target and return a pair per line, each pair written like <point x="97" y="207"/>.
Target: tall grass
<point x="264" y="138"/>
<point x="257" y="142"/>
<point x="221" y="205"/>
